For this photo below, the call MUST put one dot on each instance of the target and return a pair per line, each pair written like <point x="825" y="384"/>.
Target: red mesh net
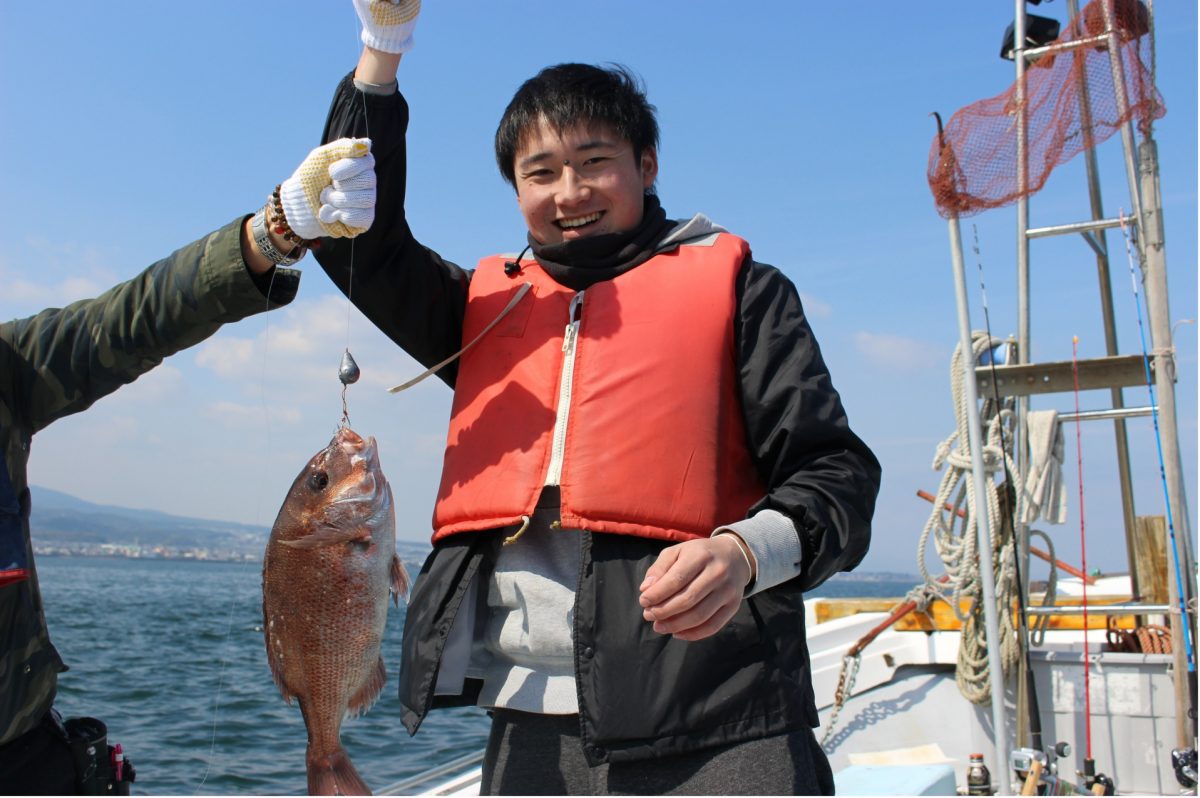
<point x="973" y="162"/>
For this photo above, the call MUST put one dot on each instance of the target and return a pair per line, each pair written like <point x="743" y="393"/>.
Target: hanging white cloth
<point x="1044" y="494"/>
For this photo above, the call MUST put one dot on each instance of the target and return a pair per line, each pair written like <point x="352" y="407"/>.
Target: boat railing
<point x="444" y="779"/>
<point x="1133" y="608"/>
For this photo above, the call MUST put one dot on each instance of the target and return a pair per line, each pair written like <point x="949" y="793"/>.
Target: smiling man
<point x="646" y="465"/>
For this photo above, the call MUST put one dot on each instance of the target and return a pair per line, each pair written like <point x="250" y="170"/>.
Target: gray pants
<point x="531" y="754"/>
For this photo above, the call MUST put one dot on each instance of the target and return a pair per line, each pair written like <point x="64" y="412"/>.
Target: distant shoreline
<point x="191" y="555"/>
<point x="110" y="551"/>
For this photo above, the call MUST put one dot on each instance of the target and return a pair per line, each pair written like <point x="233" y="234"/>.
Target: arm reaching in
<point x="387" y="35"/>
<point x="388" y="24"/>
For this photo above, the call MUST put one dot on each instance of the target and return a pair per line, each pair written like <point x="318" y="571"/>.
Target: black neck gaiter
<point x="583" y="262"/>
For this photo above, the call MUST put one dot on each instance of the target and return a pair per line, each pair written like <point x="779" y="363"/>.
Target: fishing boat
<point x="983" y="680"/>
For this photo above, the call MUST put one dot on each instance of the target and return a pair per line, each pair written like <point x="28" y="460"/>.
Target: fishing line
<point x="233" y="603"/>
<point x="348" y="371"/>
<point x="1087" y="670"/>
<point x="1184" y="621"/>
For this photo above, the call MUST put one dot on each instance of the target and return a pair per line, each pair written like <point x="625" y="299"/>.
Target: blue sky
<point x="132" y="128"/>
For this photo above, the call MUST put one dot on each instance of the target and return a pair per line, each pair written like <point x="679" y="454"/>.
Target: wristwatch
<point x="258" y="226"/>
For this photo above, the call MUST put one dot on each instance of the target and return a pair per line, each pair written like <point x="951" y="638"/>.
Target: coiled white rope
<point x="956" y="538"/>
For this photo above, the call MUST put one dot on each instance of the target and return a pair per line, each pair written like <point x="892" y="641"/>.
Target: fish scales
<point x="328" y="570"/>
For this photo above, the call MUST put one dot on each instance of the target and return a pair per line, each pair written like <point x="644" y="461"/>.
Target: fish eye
<point x="317" y="480"/>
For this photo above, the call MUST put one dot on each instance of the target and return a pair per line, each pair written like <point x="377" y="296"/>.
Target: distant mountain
<point x="59" y="519"/>
<point x="64" y="524"/>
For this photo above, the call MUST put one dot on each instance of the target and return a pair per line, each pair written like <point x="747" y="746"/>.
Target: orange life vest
<point x="654" y="441"/>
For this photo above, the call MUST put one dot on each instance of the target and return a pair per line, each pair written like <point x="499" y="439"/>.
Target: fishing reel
<point x="1091" y="778"/>
<point x="1184" y="762"/>
<point x="1022" y="759"/>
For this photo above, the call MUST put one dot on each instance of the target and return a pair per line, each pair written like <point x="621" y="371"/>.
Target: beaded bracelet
<point x="279" y="223"/>
<point x="258" y="228"/>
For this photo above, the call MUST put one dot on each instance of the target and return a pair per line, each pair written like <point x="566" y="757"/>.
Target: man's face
<point x="582" y="182"/>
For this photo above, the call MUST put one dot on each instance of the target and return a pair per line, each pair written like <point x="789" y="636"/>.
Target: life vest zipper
<point x="565" y="386"/>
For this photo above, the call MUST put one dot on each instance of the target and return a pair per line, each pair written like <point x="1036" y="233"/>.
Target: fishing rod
<point x="1026" y="675"/>
<point x="1089" y="762"/>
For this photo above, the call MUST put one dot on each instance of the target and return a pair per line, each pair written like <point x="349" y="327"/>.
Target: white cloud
<point x="814" y="307"/>
<point x="896" y="353"/>
<point x="237" y="414"/>
<point x="227" y="356"/>
<point x="41" y="273"/>
<point x="298" y="350"/>
<point x="154" y="386"/>
<point x="25" y="297"/>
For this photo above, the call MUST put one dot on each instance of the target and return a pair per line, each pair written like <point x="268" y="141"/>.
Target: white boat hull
<point x="906" y="707"/>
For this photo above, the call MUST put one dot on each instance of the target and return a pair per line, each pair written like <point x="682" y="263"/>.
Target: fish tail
<point x="334" y="774"/>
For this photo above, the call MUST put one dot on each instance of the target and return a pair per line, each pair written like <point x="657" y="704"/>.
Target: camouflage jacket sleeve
<point x="60" y="361"/>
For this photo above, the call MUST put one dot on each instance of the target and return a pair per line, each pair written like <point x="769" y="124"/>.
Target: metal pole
<point x="1021" y="444"/>
<point x="987" y="573"/>
<point x="1154" y="278"/>
<point x="1028" y="712"/>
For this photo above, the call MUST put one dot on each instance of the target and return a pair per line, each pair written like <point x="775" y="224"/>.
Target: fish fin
<point x="334" y="774"/>
<point x="400" y="581"/>
<point x="330" y="536"/>
<point x="361" y="701"/>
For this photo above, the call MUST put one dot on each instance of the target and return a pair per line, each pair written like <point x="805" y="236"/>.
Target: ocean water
<point x="170" y="655"/>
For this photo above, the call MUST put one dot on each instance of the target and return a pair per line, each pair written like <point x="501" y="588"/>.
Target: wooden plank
<point x="1150" y="558"/>
<point x="827" y="610"/>
<point x="1026" y="379"/>
<point x="940" y="617"/>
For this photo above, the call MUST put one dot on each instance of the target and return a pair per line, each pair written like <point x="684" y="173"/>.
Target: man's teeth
<point x="578" y="222"/>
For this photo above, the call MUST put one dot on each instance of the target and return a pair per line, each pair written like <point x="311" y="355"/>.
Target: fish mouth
<point x="364" y="460"/>
<point x="358" y="449"/>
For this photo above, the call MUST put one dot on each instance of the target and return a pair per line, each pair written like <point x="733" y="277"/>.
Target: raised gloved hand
<point x="388" y="24"/>
<point x="332" y="193"/>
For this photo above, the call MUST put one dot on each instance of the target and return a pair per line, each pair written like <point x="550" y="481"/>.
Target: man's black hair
<point x="568" y="94"/>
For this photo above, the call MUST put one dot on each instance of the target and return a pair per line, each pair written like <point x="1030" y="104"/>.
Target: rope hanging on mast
<point x="955" y="542"/>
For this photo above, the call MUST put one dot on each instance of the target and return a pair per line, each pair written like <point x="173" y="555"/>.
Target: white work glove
<point x="332" y="194"/>
<point x="388" y="24"/>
